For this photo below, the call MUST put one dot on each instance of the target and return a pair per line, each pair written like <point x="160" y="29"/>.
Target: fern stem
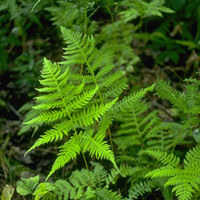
<point x="87" y="167"/>
<point x="110" y="137"/>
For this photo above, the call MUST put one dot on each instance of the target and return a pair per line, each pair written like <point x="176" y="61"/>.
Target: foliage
<point x="80" y="185"/>
<point x="185" y="181"/>
<point x="94" y="103"/>
<point x="69" y="106"/>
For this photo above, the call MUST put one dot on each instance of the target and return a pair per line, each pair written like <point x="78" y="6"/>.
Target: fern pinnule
<point x="68" y="151"/>
<point x="191" y="96"/>
<point x="105" y="193"/>
<point x="111" y="79"/>
<point x="116" y="90"/>
<point x="80" y="48"/>
<point x="164" y="157"/>
<point x="128" y="101"/>
<point x="53" y="134"/>
<point x="164" y="90"/>
<point x="96" y="146"/>
<point x="87" y="116"/>
<point x="48" y="116"/>
<point x="166" y="171"/>
<point x="104" y="71"/>
<point x="139" y="189"/>
<point x="192" y="158"/>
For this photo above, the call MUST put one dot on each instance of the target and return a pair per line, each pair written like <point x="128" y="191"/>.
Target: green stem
<point x="88" y="171"/>
<point x="110" y="137"/>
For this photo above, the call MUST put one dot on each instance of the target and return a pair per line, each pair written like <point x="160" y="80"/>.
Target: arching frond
<point x="96" y="146"/>
<point x="68" y="151"/>
<point x="87" y="116"/>
<point x="127" y="102"/>
<point x="53" y="134"/>
<point x="164" y="90"/>
<point x="165" y="158"/>
<point x="139" y="189"/>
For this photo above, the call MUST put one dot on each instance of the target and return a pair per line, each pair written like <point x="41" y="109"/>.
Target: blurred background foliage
<point x="146" y="39"/>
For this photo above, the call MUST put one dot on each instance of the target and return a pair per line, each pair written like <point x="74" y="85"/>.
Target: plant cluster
<point x="137" y="139"/>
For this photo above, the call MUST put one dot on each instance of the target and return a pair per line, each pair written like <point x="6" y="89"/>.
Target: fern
<point x="164" y="158"/>
<point x="78" y="186"/>
<point x="164" y="90"/>
<point x="127" y="102"/>
<point x="136" y="126"/>
<point x="144" y="9"/>
<point x="140" y="189"/>
<point x="185" y="181"/>
<point x="66" y="106"/>
<point x="96" y="145"/>
<point x="187" y="103"/>
<point x="68" y="151"/>
<point x="81" y="50"/>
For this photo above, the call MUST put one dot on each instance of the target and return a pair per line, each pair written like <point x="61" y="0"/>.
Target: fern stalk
<point x="86" y="165"/>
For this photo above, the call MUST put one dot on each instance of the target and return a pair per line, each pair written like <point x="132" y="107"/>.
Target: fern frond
<point x="192" y="158"/>
<point x="96" y="146"/>
<point x="68" y="151"/>
<point x="94" y="112"/>
<point x="164" y="90"/>
<point x="139" y="189"/>
<point x="166" y="171"/>
<point x="108" y="82"/>
<point x="80" y="48"/>
<point x="127" y="102"/>
<point x="116" y="90"/>
<point x="165" y="158"/>
<point x="53" y="134"/>
<point x="105" y="194"/>
<point x="48" y="116"/>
